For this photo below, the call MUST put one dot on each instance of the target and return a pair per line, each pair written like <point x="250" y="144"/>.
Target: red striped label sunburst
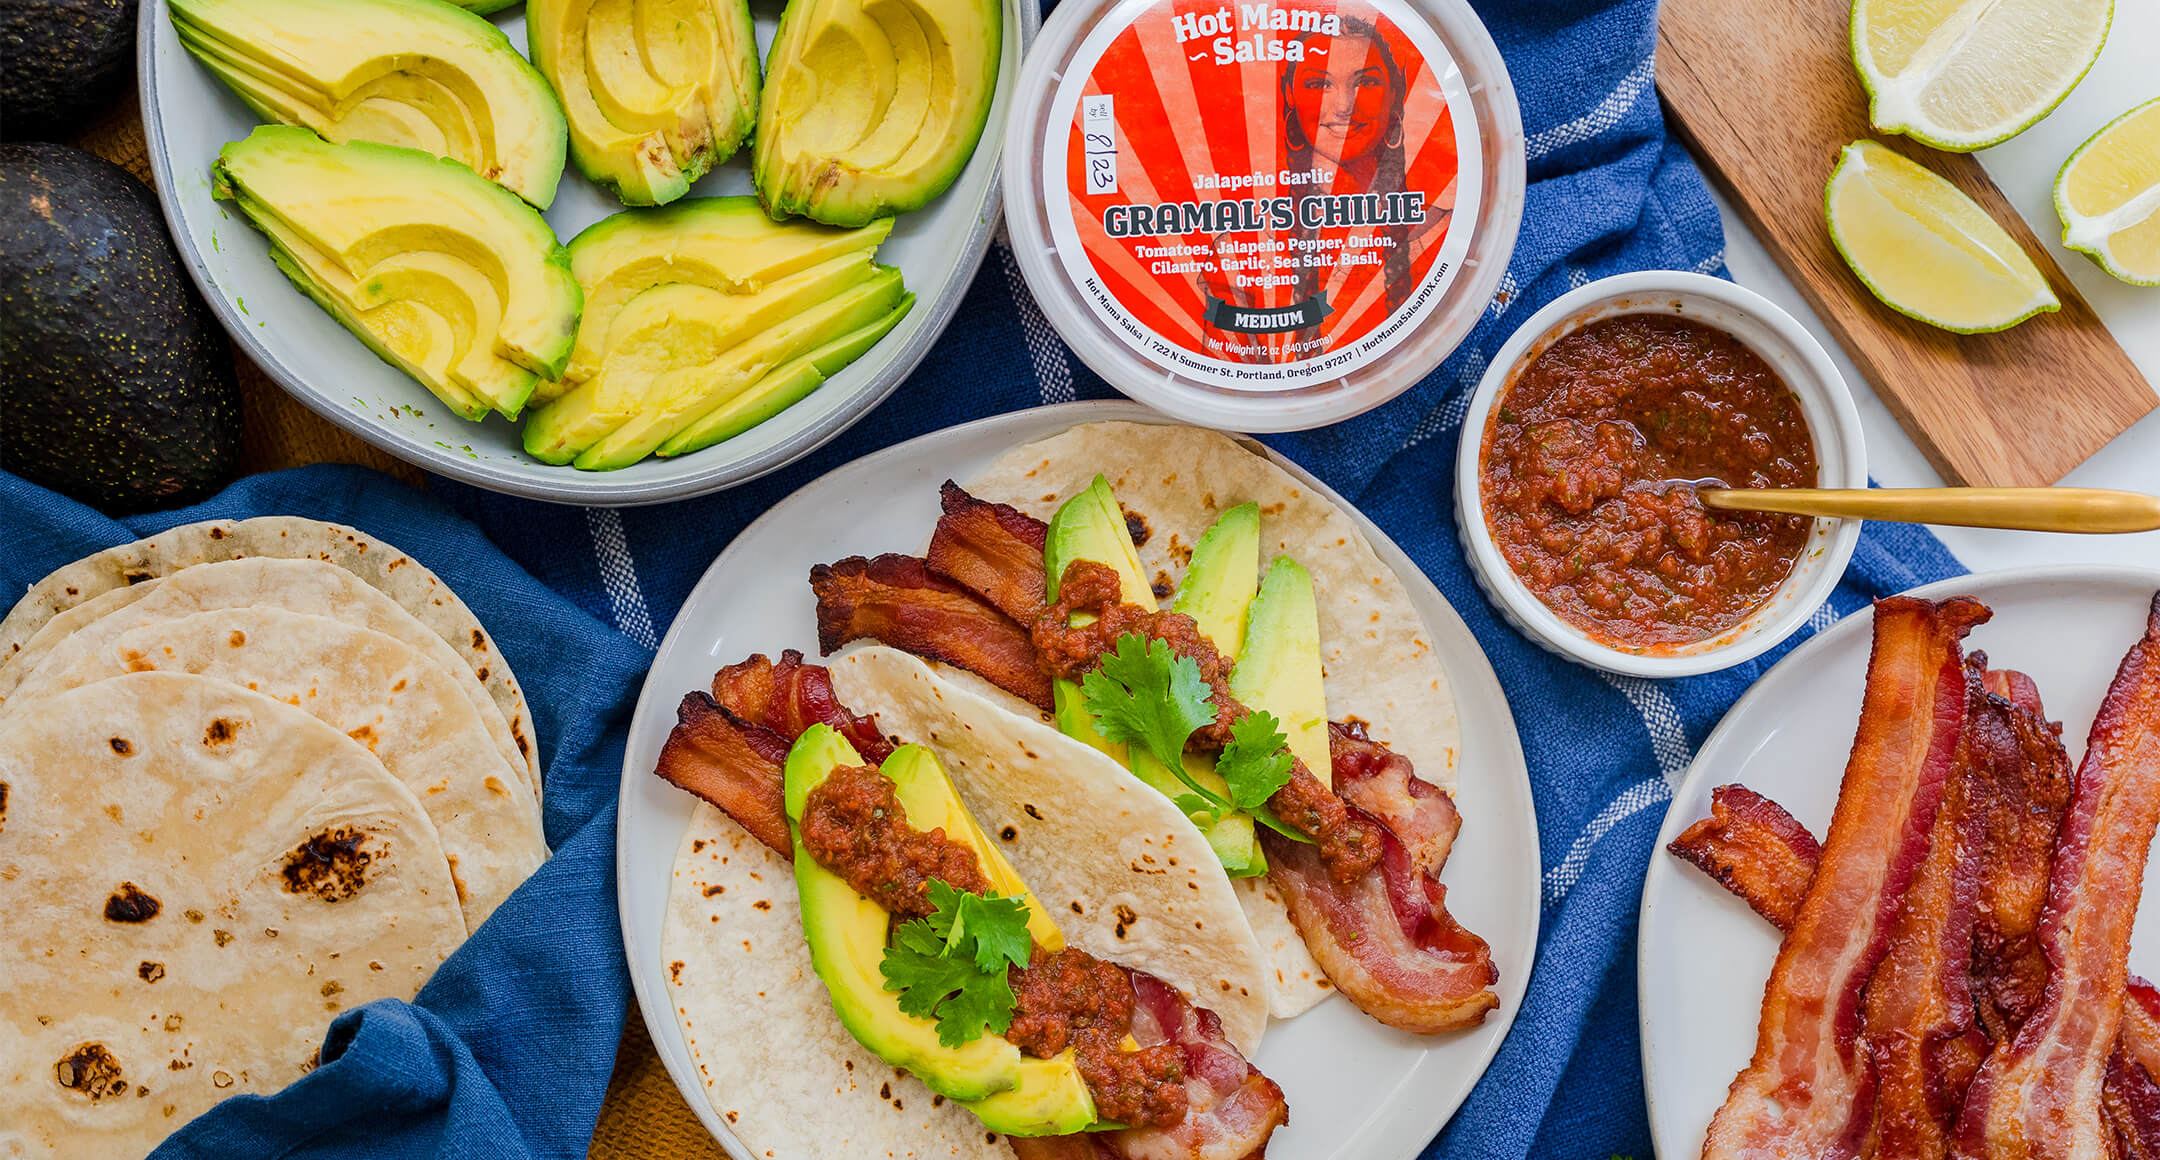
<point x="1263" y="196"/>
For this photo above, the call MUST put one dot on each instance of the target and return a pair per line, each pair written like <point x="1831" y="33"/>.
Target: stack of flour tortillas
<point x="252" y="774"/>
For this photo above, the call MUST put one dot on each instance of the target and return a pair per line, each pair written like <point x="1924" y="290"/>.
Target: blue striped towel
<point x="508" y="1050"/>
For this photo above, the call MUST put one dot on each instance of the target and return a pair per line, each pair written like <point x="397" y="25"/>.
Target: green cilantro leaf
<point x="950" y="965"/>
<point x="1257" y="760"/>
<point x="1145" y="694"/>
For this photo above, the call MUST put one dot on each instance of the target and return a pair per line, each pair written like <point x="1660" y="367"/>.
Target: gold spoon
<point x="2031" y="509"/>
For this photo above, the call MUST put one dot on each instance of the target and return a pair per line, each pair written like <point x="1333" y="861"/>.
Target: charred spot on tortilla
<point x="1009" y="834"/>
<point x="237" y="639"/>
<point x="479" y="640"/>
<point x="92" y="1070"/>
<point x="220" y="731"/>
<point x="3" y="803"/>
<point x="1162" y="586"/>
<point x="137" y="576"/>
<point x="330" y="865"/>
<point x="149" y="972"/>
<point x="1032" y="811"/>
<point x="193" y="915"/>
<point x="1126" y="916"/>
<point x="222" y="937"/>
<point x="1136" y="526"/>
<point x="130" y="904"/>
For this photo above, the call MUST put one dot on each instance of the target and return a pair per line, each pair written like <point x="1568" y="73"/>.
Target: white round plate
<point x="1356" y="1089"/>
<point x="188" y="116"/>
<point x="1702" y="956"/>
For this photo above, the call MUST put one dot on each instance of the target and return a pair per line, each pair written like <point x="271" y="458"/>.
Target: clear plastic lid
<point x="1264" y="216"/>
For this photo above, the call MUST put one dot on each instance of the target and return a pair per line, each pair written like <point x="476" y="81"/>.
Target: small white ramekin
<point x="1825" y="402"/>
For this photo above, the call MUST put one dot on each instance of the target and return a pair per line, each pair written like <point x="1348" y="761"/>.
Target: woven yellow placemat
<point x="644" y="1117"/>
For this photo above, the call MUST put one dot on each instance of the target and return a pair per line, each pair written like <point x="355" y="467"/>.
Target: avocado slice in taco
<point x="1316" y="707"/>
<point x="913" y="985"/>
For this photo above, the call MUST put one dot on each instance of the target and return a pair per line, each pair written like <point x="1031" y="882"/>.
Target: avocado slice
<point x="449" y="277"/>
<point x="847" y="935"/>
<point x="1091" y="526"/>
<point x="677" y="331"/>
<point x="871" y="110"/>
<point x="1222" y="578"/>
<point x="682" y="400"/>
<point x="727" y="244"/>
<point x="423" y="74"/>
<point x="1279" y="667"/>
<point x="656" y="93"/>
<point x="783" y="388"/>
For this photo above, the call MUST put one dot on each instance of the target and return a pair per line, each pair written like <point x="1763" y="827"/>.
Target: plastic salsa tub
<point x="1264" y="216"/>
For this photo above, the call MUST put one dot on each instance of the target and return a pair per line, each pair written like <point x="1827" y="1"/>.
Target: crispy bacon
<point x="2039" y="1093"/>
<point x="1753" y="848"/>
<point x="730" y="762"/>
<point x="1231" y="1108"/>
<point x="1807" y="1093"/>
<point x="1920" y="1027"/>
<point x="2022" y="767"/>
<point x="790" y="697"/>
<point x="994" y="550"/>
<point x="2131" y="1097"/>
<point x="897" y="600"/>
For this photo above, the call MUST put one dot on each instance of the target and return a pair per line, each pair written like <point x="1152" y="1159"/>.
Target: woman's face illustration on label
<point x="1345" y="100"/>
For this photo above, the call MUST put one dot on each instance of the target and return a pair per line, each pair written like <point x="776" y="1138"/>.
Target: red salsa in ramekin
<point x="1586" y="468"/>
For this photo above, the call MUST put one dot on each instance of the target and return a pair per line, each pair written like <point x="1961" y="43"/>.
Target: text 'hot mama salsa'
<point x="1586" y="468"/>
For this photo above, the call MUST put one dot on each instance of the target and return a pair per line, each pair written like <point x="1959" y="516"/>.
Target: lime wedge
<point x="2108" y="194"/>
<point x="1925" y="248"/>
<point x="1966" y="74"/>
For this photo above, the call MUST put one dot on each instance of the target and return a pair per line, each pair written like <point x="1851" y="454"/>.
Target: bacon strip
<point x="2039" y="1093"/>
<point x="1388" y="941"/>
<point x="2132" y="1094"/>
<point x="1231" y="1108"/>
<point x="1807" y="1093"/>
<point x="2021" y="764"/>
<point x="897" y="600"/>
<point x="994" y="550"/>
<point x="790" y="697"/>
<point x="1753" y="848"/>
<point x="732" y="763"/>
<point x="1921" y="1030"/>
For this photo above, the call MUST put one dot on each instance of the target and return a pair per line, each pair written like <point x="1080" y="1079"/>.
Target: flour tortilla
<point x="368" y="686"/>
<point x="309" y="586"/>
<point x="381" y="566"/>
<point x="227" y="989"/>
<point x="1121" y="872"/>
<point x="1376" y="651"/>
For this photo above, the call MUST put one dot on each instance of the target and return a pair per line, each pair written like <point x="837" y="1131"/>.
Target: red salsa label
<point x="1263" y="196"/>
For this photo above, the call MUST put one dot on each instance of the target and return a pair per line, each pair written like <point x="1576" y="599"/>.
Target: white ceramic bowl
<point x="188" y="116"/>
<point x="1825" y="402"/>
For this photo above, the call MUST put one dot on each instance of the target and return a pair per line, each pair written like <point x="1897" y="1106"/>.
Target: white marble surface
<point x="2127" y="74"/>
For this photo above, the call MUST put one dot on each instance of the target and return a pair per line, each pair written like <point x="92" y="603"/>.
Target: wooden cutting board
<point x="1765" y="92"/>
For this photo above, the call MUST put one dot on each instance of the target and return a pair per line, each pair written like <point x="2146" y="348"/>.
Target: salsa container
<point x="1264" y="216"/>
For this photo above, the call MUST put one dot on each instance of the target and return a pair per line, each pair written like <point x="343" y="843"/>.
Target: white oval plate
<point x="1702" y="956"/>
<point x="188" y="116"/>
<point x="1356" y="1089"/>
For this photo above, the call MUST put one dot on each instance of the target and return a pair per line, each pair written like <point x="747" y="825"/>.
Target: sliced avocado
<point x="783" y="388"/>
<point x="726" y="244"/>
<point x="1279" y="668"/>
<point x="1224" y="574"/>
<point x="423" y="74"/>
<point x="870" y="110"/>
<point x="656" y="93"/>
<point x="681" y="400"/>
<point x="673" y="332"/>
<point x="847" y="935"/>
<point x="449" y="277"/>
<point x="1091" y="526"/>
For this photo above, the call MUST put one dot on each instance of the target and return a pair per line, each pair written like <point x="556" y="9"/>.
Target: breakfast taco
<point x="1295" y="714"/>
<point x="1074" y="977"/>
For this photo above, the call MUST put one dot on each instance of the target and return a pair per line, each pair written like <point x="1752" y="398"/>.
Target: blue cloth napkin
<point x="507" y="1051"/>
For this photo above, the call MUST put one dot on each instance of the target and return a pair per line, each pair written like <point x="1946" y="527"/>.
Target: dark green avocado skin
<point x="116" y="386"/>
<point x="62" y="62"/>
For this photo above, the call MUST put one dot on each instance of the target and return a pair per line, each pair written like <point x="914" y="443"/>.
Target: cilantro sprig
<point x="1146" y="694"/>
<point x="950" y="965"/>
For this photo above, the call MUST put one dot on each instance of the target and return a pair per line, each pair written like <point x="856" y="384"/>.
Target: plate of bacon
<point x="1937" y="954"/>
<point x="1074" y="785"/>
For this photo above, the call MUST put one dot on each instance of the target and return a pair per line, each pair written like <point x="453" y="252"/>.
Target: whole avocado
<point x="116" y="386"/>
<point x="62" y="62"/>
